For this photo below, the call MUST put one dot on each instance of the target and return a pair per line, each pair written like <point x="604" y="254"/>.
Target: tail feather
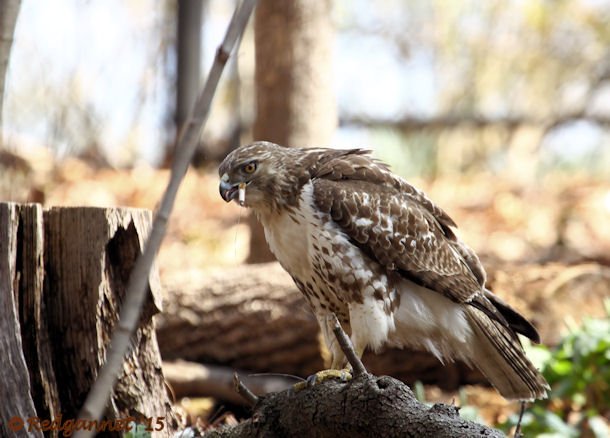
<point x="514" y="319"/>
<point x="499" y="355"/>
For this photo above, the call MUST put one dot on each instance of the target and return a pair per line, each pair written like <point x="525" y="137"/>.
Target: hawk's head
<point x="266" y="170"/>
<point x="273" y="175"/>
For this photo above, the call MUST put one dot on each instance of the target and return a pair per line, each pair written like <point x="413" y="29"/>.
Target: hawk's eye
<point x="249" y="167"/>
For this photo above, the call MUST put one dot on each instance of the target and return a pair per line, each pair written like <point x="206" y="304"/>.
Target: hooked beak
<point x="228" y="191"/>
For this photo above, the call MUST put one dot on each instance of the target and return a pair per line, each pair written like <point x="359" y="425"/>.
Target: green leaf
<point x="562" y="367"/>
<point x="539" y="355"/>
<point x="579" y="399"/>
<point x="137" y="431"/>
<point x="556" y="424"/>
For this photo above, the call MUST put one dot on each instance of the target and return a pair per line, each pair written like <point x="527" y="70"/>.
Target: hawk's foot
<point x="343" y="375"/>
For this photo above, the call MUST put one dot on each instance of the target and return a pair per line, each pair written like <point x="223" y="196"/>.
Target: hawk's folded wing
<point x="402" y="234"/>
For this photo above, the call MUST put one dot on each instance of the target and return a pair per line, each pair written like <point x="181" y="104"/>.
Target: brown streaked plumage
<point x="364" y="244"/>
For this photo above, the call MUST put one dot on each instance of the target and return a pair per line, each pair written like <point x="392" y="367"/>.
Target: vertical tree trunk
<point x="188" y="62"/>
<point x="63" y="275"/>
<point x="190" y="13"/>
<point x="294" y="98"/>
<point x="9" y="10"/>
<point x="15" y="390"/>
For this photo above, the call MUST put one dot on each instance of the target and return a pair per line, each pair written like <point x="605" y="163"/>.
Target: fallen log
<point x="253" y="318"/>
<point x="249" y="317"/>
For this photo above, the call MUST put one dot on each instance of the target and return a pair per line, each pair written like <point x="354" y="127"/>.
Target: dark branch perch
<point x="348" y="349"/>
<point x="244" y="391"/>
<point x="363" y="407"/>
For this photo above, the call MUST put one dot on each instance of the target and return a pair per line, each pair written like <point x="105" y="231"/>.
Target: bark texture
<point x="295" y="105"/>
<point x="69" y="269"/>
<point x="364" y="407"/>
<point x="253" y="318"/>
<point x="14" y="378"/>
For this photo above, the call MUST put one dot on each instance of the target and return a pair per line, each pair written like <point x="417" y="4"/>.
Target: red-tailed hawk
<point x="364" y="244"/>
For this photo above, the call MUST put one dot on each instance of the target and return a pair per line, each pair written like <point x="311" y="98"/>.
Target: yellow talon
<point x="344" y="375"/>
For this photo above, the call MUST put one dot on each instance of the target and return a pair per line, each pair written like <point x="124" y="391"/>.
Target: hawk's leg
<point x="326" y="323"/>
<point x="371" y="324"/>
<point x="338" y="360"/>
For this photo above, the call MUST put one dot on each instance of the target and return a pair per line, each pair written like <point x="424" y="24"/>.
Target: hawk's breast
<point x="297" y="236"/>
<point x="326" y="266"/>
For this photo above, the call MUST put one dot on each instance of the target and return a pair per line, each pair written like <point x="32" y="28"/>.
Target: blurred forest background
<point x="499" y="110"/>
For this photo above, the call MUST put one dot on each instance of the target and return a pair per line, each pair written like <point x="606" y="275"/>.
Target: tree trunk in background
<point x="190" y="15"/>
<point x="294" y="98"/>
<point x="188" y="60"/>
<point x="9" y="10"/>
<point x="63" y="275"/>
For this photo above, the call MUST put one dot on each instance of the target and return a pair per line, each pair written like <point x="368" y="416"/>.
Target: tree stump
<point x="15" y="390"/>
<point x="64" y="273"/>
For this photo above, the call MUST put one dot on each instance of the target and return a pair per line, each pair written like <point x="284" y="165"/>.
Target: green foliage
<point x="578" y="371"/>
<point x="137" y="431"/>
<point x="420" y="393"/>
<point x="471" y="413"/>
<point x="467" y="412"/>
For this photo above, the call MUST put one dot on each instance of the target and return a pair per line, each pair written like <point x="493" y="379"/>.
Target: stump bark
<point x="15" y="389"/>
<point x="66" y="271"/>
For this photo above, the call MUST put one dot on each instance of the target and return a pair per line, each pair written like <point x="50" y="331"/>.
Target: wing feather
<point x="400" y="228"/>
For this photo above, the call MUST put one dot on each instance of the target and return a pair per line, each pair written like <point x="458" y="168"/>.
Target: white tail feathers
<point x="484" y="339"/>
